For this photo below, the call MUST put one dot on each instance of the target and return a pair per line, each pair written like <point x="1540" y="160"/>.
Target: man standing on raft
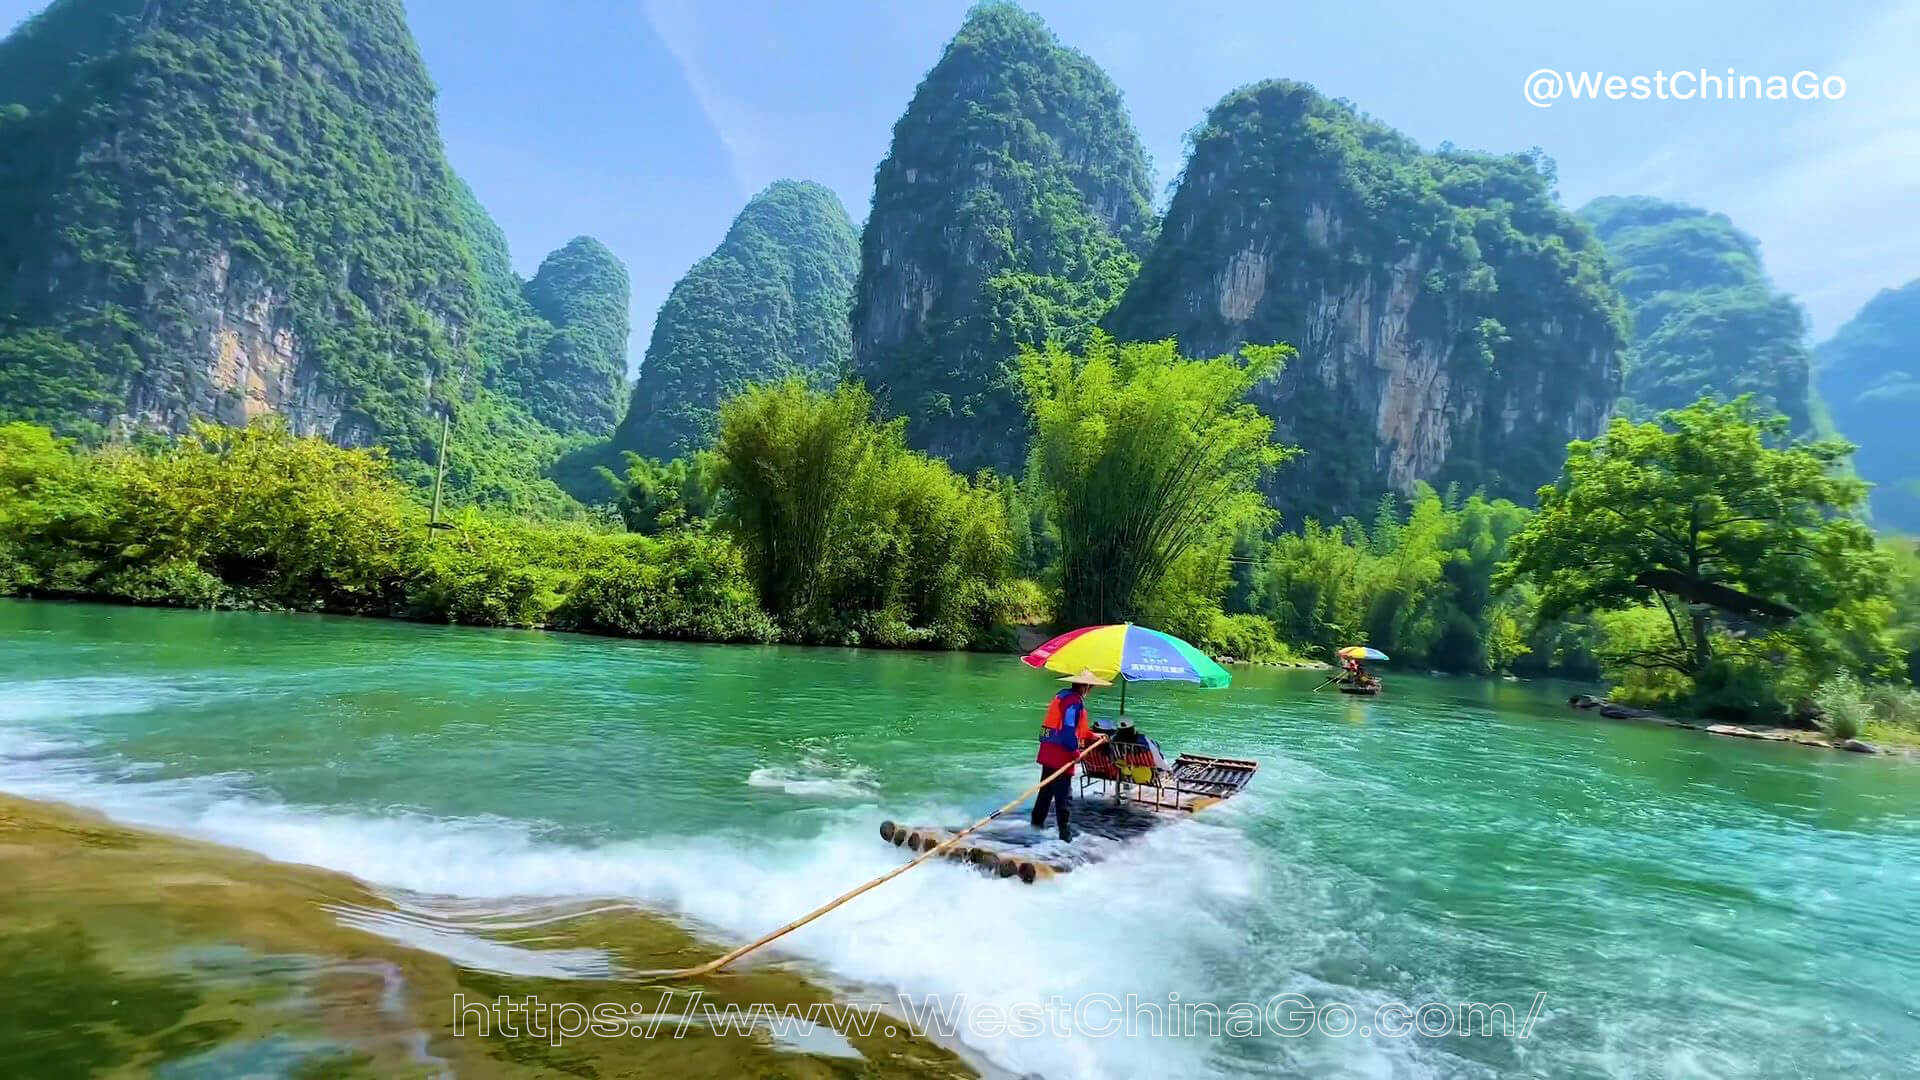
<point x="1065" y="729"/>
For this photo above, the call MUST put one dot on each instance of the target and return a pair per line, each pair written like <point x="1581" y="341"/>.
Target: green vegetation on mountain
<point x="1011" y="210"/>
<point x="577" y="387"/>
<point x="771" y="301"/>
<point x="1869" y="376"/>
<point x="1706" y="318"/>
<point x="223" y="210"/>
<point x="1453" y="322"/>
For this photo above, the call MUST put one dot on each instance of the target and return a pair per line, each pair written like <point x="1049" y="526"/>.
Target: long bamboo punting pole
<point x="719" y="962"/>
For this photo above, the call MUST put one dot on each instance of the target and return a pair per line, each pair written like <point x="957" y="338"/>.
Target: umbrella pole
<point x="1123" y="695"/>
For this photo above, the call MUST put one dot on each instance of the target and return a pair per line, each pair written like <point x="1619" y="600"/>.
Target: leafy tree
<point x="657" y="496"/>
<point x="1905" y="555"/>
<point x="1417" y="584"/>
<point x="1144" y="457"/>
<point x="52" y="509"/>
<point x="1708" y="499"/>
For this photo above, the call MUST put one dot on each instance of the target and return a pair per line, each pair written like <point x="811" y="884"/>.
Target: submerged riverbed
<point x="1689" y="907"/>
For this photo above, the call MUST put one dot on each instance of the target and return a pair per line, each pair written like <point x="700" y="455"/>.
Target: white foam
<point x="1159" y="915"/>
<point x="849" y="783"/>
<point x="1124" y="926"/>
<point x="473" y="951"/>
<point x="18" y="746"/>
<point x="44" y="699"/>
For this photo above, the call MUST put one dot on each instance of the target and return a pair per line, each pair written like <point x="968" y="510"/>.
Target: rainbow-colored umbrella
<point x="1128" y="652"/>
<point x="1360" y="652"/>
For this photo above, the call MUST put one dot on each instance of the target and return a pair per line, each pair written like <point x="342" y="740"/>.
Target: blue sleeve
<point x="1074" y="715"/>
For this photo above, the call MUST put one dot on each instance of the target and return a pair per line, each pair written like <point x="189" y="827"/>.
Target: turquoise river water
<point x="1688" y="906"/>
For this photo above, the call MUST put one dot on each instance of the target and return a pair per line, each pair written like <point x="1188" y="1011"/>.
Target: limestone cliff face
<point x="1453" y="323"/>
<point x="239" y="357"/>
<point x="218" y="209"/>
<point x="1011" y="209"/>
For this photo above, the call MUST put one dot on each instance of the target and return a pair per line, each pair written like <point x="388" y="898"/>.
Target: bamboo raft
<point x="1123" y="796"/>
<point x="1368" y="689"/>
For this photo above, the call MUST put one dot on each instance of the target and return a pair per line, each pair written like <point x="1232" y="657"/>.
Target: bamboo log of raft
<point x="930" y="851"/>
<point x="990" y="862"/>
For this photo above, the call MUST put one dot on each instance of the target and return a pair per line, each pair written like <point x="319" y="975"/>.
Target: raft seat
<point x="1215" y="777"/>
<point x="1193" y="782"/>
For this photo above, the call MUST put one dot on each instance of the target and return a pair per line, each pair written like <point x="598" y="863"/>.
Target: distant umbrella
<point x="1360" y="652"/>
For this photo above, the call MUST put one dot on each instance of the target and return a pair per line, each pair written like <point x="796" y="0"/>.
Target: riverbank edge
<point x="1018" y="639"/>
<point x="1761" y="733"/>
<point x="28" y="818"/>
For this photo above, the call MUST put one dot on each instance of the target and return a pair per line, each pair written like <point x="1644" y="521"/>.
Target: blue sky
<point x="648" y="123"/>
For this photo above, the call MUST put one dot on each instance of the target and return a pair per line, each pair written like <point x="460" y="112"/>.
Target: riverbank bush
<point x="1148" y="465"/>
<point x="1844" y="711"/>
<point x="1882" y="711"/>
<point x="910" y="554"/>
<point x="1246" y="637"/>
<point x="687" y="585"/>
<point x="255" y="518"/>
<point x="1417" y="584"/>
<point x="850" y="537"/>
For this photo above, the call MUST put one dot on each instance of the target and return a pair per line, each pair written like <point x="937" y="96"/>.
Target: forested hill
<point x="582" y="290"/>
<point x="1869" y="376"/>
<point x="773" y="299"/>
<point x="1706" y="318"/>
<point x="223" y="208"/>
<point x="1011" y="208"/>
<point x="1453" y="321"/>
